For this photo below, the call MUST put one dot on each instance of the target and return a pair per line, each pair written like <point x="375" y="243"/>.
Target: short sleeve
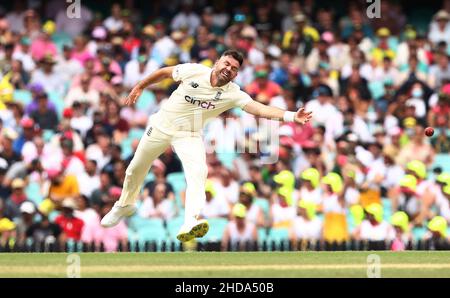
<point x="182" y="71"/>
<point x="242" y="99"/>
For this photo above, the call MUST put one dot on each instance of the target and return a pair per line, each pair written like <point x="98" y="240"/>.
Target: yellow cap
<point x="400" y="219"/>
<point x="357" y="212"/>
<point x="286" y="178"/>
<point x="443" y="178"/>
<point x="6" y="225"/>
<point x="409" y="181"/>
<point x="383" y="32"/>
<point x="49" y="27"/>
<point x="418" y="168"/>
<point x="409" y="122"/>
<point x="334" y="180"/>
<point x="310" y="208"/>
<point x="248" y="188"/>
<point x="438" y="224"/>
<point x="209" y="187"/>
<point x="46" y="207"/>
<point x="286" y="193"/>
<point x="446" y="190"/>
<point x="312" y="175"/>
<point x="6" y="89"/>
<point x="239" y="210"/>
<point x="376" y="210"/>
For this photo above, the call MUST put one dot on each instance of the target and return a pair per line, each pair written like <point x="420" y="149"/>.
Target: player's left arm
<point x="258" y="109"/>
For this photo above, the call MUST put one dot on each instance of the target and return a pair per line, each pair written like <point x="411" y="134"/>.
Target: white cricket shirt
<point x="195" y="101"/>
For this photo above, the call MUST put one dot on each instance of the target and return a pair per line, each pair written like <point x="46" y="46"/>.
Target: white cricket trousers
<point x="190" y="149"/>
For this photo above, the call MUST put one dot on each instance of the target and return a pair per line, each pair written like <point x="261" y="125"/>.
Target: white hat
<point x="69" y="203"/>
<point x="27" y="207"/>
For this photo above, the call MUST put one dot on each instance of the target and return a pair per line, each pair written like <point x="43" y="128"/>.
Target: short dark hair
<point x="235" y="54"/>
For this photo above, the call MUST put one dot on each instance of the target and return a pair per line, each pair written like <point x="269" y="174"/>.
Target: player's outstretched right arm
<point x="155" y="77"/>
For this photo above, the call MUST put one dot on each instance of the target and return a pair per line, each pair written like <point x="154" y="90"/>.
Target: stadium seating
<point x="147" y="230"/>
<point x="442" y="160"/>
<point x="216" y="229"/>
<point x="178" y="182"/>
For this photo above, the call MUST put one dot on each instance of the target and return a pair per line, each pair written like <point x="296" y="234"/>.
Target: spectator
<point x="158" y="205"/>
<point x="114" y="22"/>
<point x="47" y="77"/>
<point x="18" y="196"/>
<point x="83" y="94"/>
<point x="281" y="213"/>
<point x="89" y="178"/>
<point x="70" y="225"/>
<point x="306" y="226"/>
<point x="61" y="186"/>
<point x="43" y="116"/>
<point x="136" y="70"/>
<point x="216" y="205"/>
<point x="374" y="228"/>
<point x="110" y="238"/>
<point x="440" y="27"/>
<point x="43" y="46"/>
<point x="24" y="222"/>
<point x="90" y="218"/>
<point x="239" y="232"/>
<point x="7" y="227"/>
<point x="44" y="231"/>
<point x="403" y="237"/>
<point x="254" y="214"/>
<point x="186" y="18"/>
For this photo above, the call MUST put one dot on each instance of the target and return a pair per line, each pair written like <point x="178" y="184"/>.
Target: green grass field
<point x="214" y="264"/>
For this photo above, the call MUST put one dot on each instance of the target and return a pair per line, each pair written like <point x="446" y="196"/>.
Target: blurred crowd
<point x="362" y="169"/>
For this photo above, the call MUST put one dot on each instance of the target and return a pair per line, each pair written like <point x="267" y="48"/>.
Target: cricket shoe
<point x="196" y="229"/>
<point x="116" y="214"/>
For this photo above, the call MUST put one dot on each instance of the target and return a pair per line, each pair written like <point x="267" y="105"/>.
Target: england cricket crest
<point x="217" y="97"/>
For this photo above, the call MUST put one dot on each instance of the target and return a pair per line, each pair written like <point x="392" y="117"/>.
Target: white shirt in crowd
<point x="91" y="97"/>
<point x="26" y="59"/>
<point x="230" y="192"/>
<point x="94" y="152"/>
<point x="331" y="204"/>
<point x="379" y="232"/>
<point x="52" y="82"/>
<point x="307" y="229"/>
<point x="133" y="75"/>
<point x="216" y="207"/>
<point x="166" y="209"/>
<point x="68" y="69"/>
<point x="113" y="24"/>
<point x="241" y="236"/>
<point x="185" y="20"/>
<point x="88" y="183"/>
<point x="322" y="112"/>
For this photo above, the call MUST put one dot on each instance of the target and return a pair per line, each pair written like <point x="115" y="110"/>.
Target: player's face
<point x="226" y="69"/>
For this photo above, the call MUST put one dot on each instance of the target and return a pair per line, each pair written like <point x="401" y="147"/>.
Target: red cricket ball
<point x="429" y="131"/>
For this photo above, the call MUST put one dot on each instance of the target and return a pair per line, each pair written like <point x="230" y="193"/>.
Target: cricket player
<point x="203" y="93"/>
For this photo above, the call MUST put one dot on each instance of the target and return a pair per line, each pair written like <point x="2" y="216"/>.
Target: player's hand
<point x="133" y="96"/>
<point x="303" y="117"/>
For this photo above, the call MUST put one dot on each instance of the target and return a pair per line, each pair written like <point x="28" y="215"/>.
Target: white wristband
<point x="289" y="116"/>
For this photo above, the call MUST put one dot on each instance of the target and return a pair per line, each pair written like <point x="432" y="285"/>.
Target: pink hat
<point x="27" y="122"/>
<point x="117" y="80"/>
<point x="328" y="36"/>
<point x="159" y="164"/>
<point x="53" y="173"/>
<point x="115" y="191"/>
<point x="446" y="89"/>
<point x="99" y="32"/>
